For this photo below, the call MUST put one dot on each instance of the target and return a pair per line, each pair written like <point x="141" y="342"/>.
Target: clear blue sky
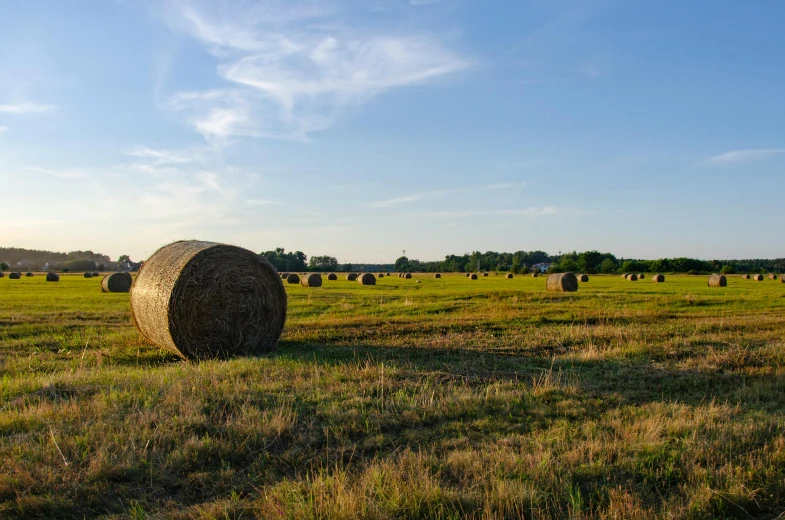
<point x="361" y="128"/>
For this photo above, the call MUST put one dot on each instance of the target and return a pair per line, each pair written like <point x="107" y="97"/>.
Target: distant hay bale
<point x="658" y="278"/>
<point x="366" y="279"/>
<point x="485" y="274"/>
<point x="96" y="274"/>
<point x="2" y="274"/>
<point x="15" y="276"/>
<point x="772" y="276"/>
<point x="757" y="277"/>
<point x="311" y="280"/>
<point x="467" y="275"/>
<point x="293" y="279"/>
<point x="632" y="277"/>
<point x="351" y="277"/>
<point x="745" y="276"/>
<point x="88" y="275"/>
<point x="332" y="276"/>
<point x="508" y="275"/>
<point x="535" y="275"/>
<point x="52" y="277"/>
<point x="117" y="282"/>
<point x="388" y="274"/>
<point x="642" y="276"/>
<point x="562" y="282"/>
<point x="625" y="275"/>
<point x="473" y="276"/>
<point x="29" y="274"/>
<point x="380" y="275"/>
<point x="718" y="280"/>
<point x="203" y="300"/>
<point x="407" y="276"/>
<point x="583" y="277"/>
<point x="284" y="276"/>
<point x="437" y="275"/>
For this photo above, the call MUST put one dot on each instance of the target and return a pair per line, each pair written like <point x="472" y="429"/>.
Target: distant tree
<point x="123" y="259"/>
<point x="402" y="264"/>
<point x="727" y="269"/>
<point x="4" y="266"/>
<point x="607" y="266"/>
<point x="347" y="268"/>
<point x="80" y="265"/>
<point x="323" y="263"/>
<point x="101" y="267"/>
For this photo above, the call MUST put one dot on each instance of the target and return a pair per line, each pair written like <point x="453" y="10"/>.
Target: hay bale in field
<point x="351" y="277"/>
<point x="88" y="275"/>
<point x="380" y="275"/>
<point x="473" y="276"/>
<point x="632" y="277"/>
<point x="366" y="279"/>
<point x="52" y="277"/>
<point x="29" y="274"/>
<point x="535" y="275"/>
<point x="96" y="274"/>
<point x="745" y="277"/>
<point x="718" y="280"/>
<point x="15" y="276"/>
<point x="2" y="274"/>
<point x="485" y="274"/>
<point x="466" y="275"/>
<point x="757" y="277"/>
<point x="658" y="278"/>
<point x="642" y="276"/>
<point x="625" y="275"/>
<point x="311" y="280"/>
<point x="772" y="276"/>
<point x="203" y="300"/>
<point x="293" y="278"/>
<point x="407" y="276"/>
<point x="284" y="276"/>
<point x="117" y="282"/>
<point x="332" y="276"/>
<point x="583" y="277"/>
<point x="508" y="275"/>
<point x="437" y="275"/>
<point x="562" y="282"/>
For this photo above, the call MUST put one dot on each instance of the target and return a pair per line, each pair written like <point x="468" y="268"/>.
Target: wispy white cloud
<point x="735" y="156"/>
<point x="531" y="211"/>
<point x="3" y="128"/>
<point x="412" y="197"/>
<point x="157" y="156"/>
<point x="296" y="67"/>
<point x="26" y="108"/>
<point x="67" y="174"/>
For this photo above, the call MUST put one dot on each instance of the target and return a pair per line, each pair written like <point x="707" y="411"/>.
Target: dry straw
<point x="473" y="276"/>
<point x="562" y="282"/>
<point x="52" y="277"/>
<point x="658" y="278"/>
<point x="202" y="300"/>
<point x="117" y="282"/>
<point x="757" y="277"/>
<point x="437" y="275"/>
<point x="718" y="280"/>
<point x="88" y="275"/>
<point x="15" y="276"/>
<point x="583" y="277"/>
<point x="366" y="279"/>
<point x="311" y="280"/>
<point x="293" y="278"/>
<point x="351" y="277"/>
<point x="508" y="275"/>
<point x="332" y="276"/>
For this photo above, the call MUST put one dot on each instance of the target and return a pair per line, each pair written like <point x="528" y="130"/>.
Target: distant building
<point x="542" y="267"/>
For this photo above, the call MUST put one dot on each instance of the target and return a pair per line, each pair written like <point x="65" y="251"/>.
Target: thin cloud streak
<point x="736" y="156"/>
<point x="26" y="108"/>
<point x="427" y="195"/>
<point x="530" y="211"/>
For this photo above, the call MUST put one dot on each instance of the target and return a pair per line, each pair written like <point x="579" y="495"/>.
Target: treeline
<point x="34" y="259"/>
<point x="596" y="262"/>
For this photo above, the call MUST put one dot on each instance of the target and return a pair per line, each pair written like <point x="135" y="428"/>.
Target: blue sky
<point x="361" y="128"/>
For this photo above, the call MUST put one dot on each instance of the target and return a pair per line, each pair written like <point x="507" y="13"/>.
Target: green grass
<point x="450" y="398"/>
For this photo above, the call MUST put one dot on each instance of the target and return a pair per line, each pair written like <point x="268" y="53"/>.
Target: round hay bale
<point x="117" y="282"/>
<point x="203" y="300"/>
<point x="583" y="277"/>
<point x="351" y="277"/>
<point x="772" y="276"/>
<point x="757" y="277"/>
<point x="15" y="276"/>
<point x="658" y="278"/>
<point x="88" y="275"/>
<point x="718" y="280"/>
<point x="625" y="275"/>
<point x="562" y="282"/>
<point x="508" y="275"/>
<point x="535" y="275"/>
<point x="467" y="275"/>
<point x="332" y="276"/>
<point x="29" y="274"/>
<point x="388" y="274"/>
<point x="2" y="274"/>
<point x="485" y="274"/>
<point x="437" y="275"/>
<point x="407" y="276"/>
<point x="745" y="277"/>
<point x="52" y="277"/>
<point x="96" y="274"/>
<point x="473" y="276"/>
<point x="293" y="278"/>
<point x="284" y="276"/>
<point x="380" y="275"/>
<point x="632" y="277"/>
<point x="366" y="279"/>
<point x="311" y="280"/>
<point x="642" y="276"/>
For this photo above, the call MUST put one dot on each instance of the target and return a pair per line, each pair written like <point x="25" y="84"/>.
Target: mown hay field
<point x="450" y="398"/>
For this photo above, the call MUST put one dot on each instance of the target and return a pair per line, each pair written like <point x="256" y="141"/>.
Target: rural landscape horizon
<point x="392" y="259"/>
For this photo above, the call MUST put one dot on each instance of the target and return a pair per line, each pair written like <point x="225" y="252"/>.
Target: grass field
<point x="449" y="398"/>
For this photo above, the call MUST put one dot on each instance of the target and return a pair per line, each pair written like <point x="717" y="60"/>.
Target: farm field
<point x="448" y="398"/>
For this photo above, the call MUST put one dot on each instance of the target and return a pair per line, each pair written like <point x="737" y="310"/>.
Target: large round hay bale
<point x="366" y="279"/>
<point x="351" y="277"/>
<point x="29" y="274"/>
<point x="311" y="280"/>
<point x="15" y="276"/>
<point x="508" y="275"/>
<point x="407" y="276"/>
<point x="718" y="280"/>
<point x="117" y="282"/>
<point x="52" y="277"/>
<point x="473" y="276"/>
<point x="535" y="275"/>
<point x="437" y="275"/>
<point x="88" y="275"/>
<point x="772" y="276"/>
<point x="332" y="276"/>
<point x="583" y="277"/>
<point x="757" y="277"/>
<point x="745" y="276"/>
<point x="202" y="300"/>
<point x="292" y="278"/>
<point x="562" y="282"/>
<point x="658" y="278"/>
